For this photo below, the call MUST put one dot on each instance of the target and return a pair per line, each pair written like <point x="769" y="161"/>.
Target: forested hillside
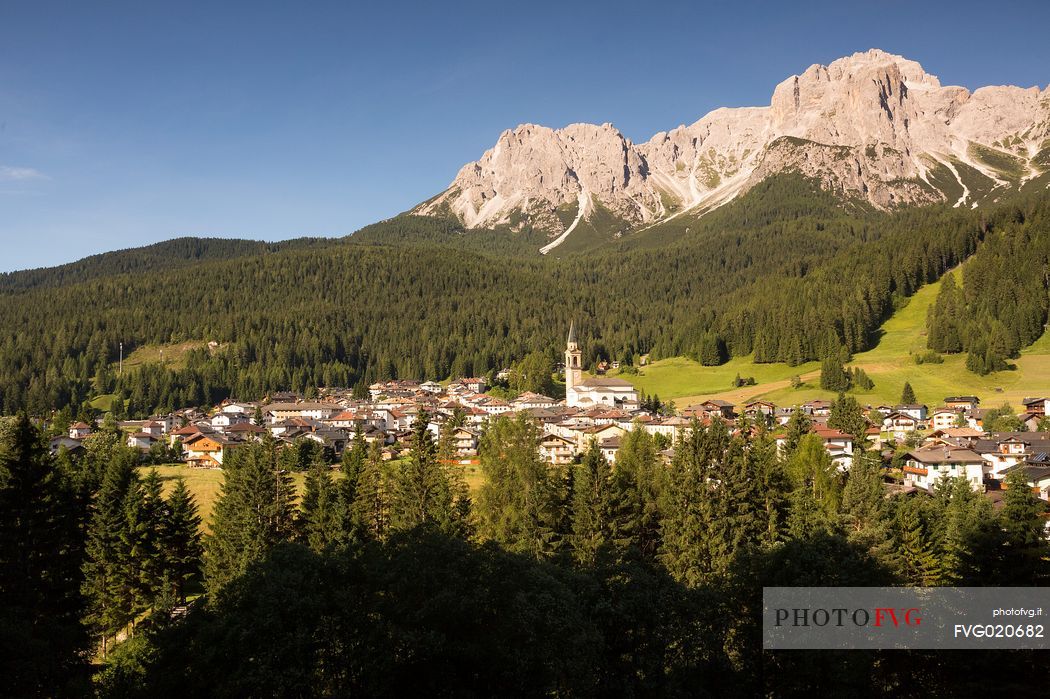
<point x="788" y="273"/>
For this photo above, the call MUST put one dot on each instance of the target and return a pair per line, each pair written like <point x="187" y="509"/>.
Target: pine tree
<point x="810" y="467"/>
<point x="109" y="591"/>
<point x="916" y="551"/>
<point x="591" y="507"/>
<point x="908" y="395"/>
<point x="518" y="502"/>
<point x="798" y="426"/>
<point x="152" y="563"/>
<point x="1026" y="552"/>
<point x="41" y="550"/>
<point x="864" y="504"/>
<point x="636" y="486"/>
<point x="319" y="518"/>
<point x="254" y="513"/>
<point x="370" y="511"/>
<point x="847" y="416"/>
<point x="181" y="537"/>
<point x="353" y="464"/>
<point x="833" y="376"/>
<point x="425" y="493"/>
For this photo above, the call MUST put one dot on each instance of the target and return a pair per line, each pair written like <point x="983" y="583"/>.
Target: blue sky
<point x="126" y="123"/>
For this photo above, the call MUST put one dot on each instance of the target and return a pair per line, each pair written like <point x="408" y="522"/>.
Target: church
<point x="588" y="393"/>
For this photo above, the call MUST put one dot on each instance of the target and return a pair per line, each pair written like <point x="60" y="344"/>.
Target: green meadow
<point x="889" y="364"/>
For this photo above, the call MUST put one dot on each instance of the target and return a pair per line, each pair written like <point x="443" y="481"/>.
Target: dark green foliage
<point x="828" y="281"/>
<point x="1002" y="419"/>
<point x="41" y="544"/>
<point x="1003" y="304"/>
<point x="532" y="373"/>
<point x="517" y="504"/>
<point x="1026" y="552"/>
<point x="847" y="416"/>
<point x="426" y="492"/>
<point x="254" y="513"/>
<point x="833" y="374"/>
<point x="637" y="483"/>
<point x="181" y="538"/>
<point x="320" y="520"/>
<point x="908" y="395"/>
<point x="592" y="507"/>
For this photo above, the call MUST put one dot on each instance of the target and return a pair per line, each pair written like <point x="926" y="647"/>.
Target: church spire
<point x="572" y="332"/>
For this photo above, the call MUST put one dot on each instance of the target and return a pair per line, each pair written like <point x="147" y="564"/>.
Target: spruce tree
<point x="591" y="507"/>
<point x="636" y="487"/>
<point x="864" y="514"/>
<point x="810" y="467"/>
<point x="370" y="510"/>
<point x="798" y="426"/>
<point x="847" y="416"/>
<point x="908" y="395"/>
<point x="517" y="503"/>
<point x="425" y="492"/>
<point x="255" y="512"/>
<point x="1026" y="553"/>
<point x="352" y="465"/>
<point x="319" y="518"/>
<point x="109" y="576"/>
<point x="181" y="537"/>
<point x="41" y="549"/>
<point x="152" y="563"/>
<point x="916" y="551"/>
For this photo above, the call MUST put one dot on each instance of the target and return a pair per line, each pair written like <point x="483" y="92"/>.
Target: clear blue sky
<point x="126" y="123"/>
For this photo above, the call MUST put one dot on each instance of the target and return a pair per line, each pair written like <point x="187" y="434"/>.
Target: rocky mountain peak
<point x="873" y="126"/>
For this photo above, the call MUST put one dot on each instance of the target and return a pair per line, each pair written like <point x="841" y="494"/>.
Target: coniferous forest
<point x="394" y="580"/>
<point x="788" y="273"/>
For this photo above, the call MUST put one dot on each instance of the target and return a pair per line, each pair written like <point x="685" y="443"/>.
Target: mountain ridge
<point x="873" y="126"/>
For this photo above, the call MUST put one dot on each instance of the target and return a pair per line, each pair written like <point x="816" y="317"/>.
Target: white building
<point x="926" y="466"/>
<point x="587" y="393"/>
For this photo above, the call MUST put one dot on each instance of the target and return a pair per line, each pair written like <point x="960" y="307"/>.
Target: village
<point x="919" y="446"/>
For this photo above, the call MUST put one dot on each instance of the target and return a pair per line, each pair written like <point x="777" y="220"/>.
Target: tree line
<point x="638" y="578"/>
<point x="787" y="274"/>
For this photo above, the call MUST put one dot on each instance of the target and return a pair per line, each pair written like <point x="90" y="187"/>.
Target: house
<point x="818" y="408"/>
<point x="207" y="450"/>
<point x="1036" y="406"/>
<point x="557" y="450"/>
<point x="246" y="431"/>
<point x="223" y="420"/>
<point x="916" y="411"/>
<point x="476" y="384"/>
<point x="964" y="403"/>
<point x="141" y="440"/>
<point x="1031" y="421"/>
<point x="531" y="401"/>
<point x="276" y="412"/>
<point x="610" y="446"/>
<point x="431" y="387"/>
<point x="80" y="430"/>
<point x="1005" y="449"/>
<point x="465" y="442"/>
<point x="584" y="435"/>
<point x="926" y="466"/>
<point x="758" y="408"/>
<point x="73" y="446"/>
<point x="1037" y="473"/>
<point x="900" y="423"/>
<point x="839" y="446"/>
<point x="945" y="418"/>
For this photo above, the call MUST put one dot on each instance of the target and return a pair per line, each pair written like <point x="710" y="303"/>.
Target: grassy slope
<point x="888" y="364"/>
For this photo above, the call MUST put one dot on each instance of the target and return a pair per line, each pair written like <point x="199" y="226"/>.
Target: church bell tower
<point x="573" y="366"/>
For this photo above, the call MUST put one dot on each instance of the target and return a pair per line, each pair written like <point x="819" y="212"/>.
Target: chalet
<point x="235" y="408"/>
<point x="431" y="387"/>
<point x="557" y="450"/>
<point x="188" y="432"/>
<point x="900" y="423"/>
<point x="918" y="412"/>
<point x="141" y="440"/>
<point x="818" y="408"/>
<point x="964" y="403"/>
<point x="945" y="418"/>
<point x="926" y="466"/>
<point x="246" y="431"/>
<point x="223" y="420"/>
<point x="1031" y="421"/>
<point x="673" y="428"/>
<point x="1037" y="473"/>
<point x="80" y="430"/>
<point x="207" y="450"/>
<point x="596" y="432"/>
<point x="329" y="437"/>
<point x="975" y="418"/>
<point x="476" y="384"/>
<point x="758" y="408"/>
<point x="1005" y="449"/>
<point x="73" y="446"/>
<point x="610" y="447"/>
<point x="839" y="446"/>
<point x="347" y="419"/>
<point x="719" y="407"/>
<point x="494" y="406"/>
<point x="1036" y="406"/>
<point x="465" y="442"/>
